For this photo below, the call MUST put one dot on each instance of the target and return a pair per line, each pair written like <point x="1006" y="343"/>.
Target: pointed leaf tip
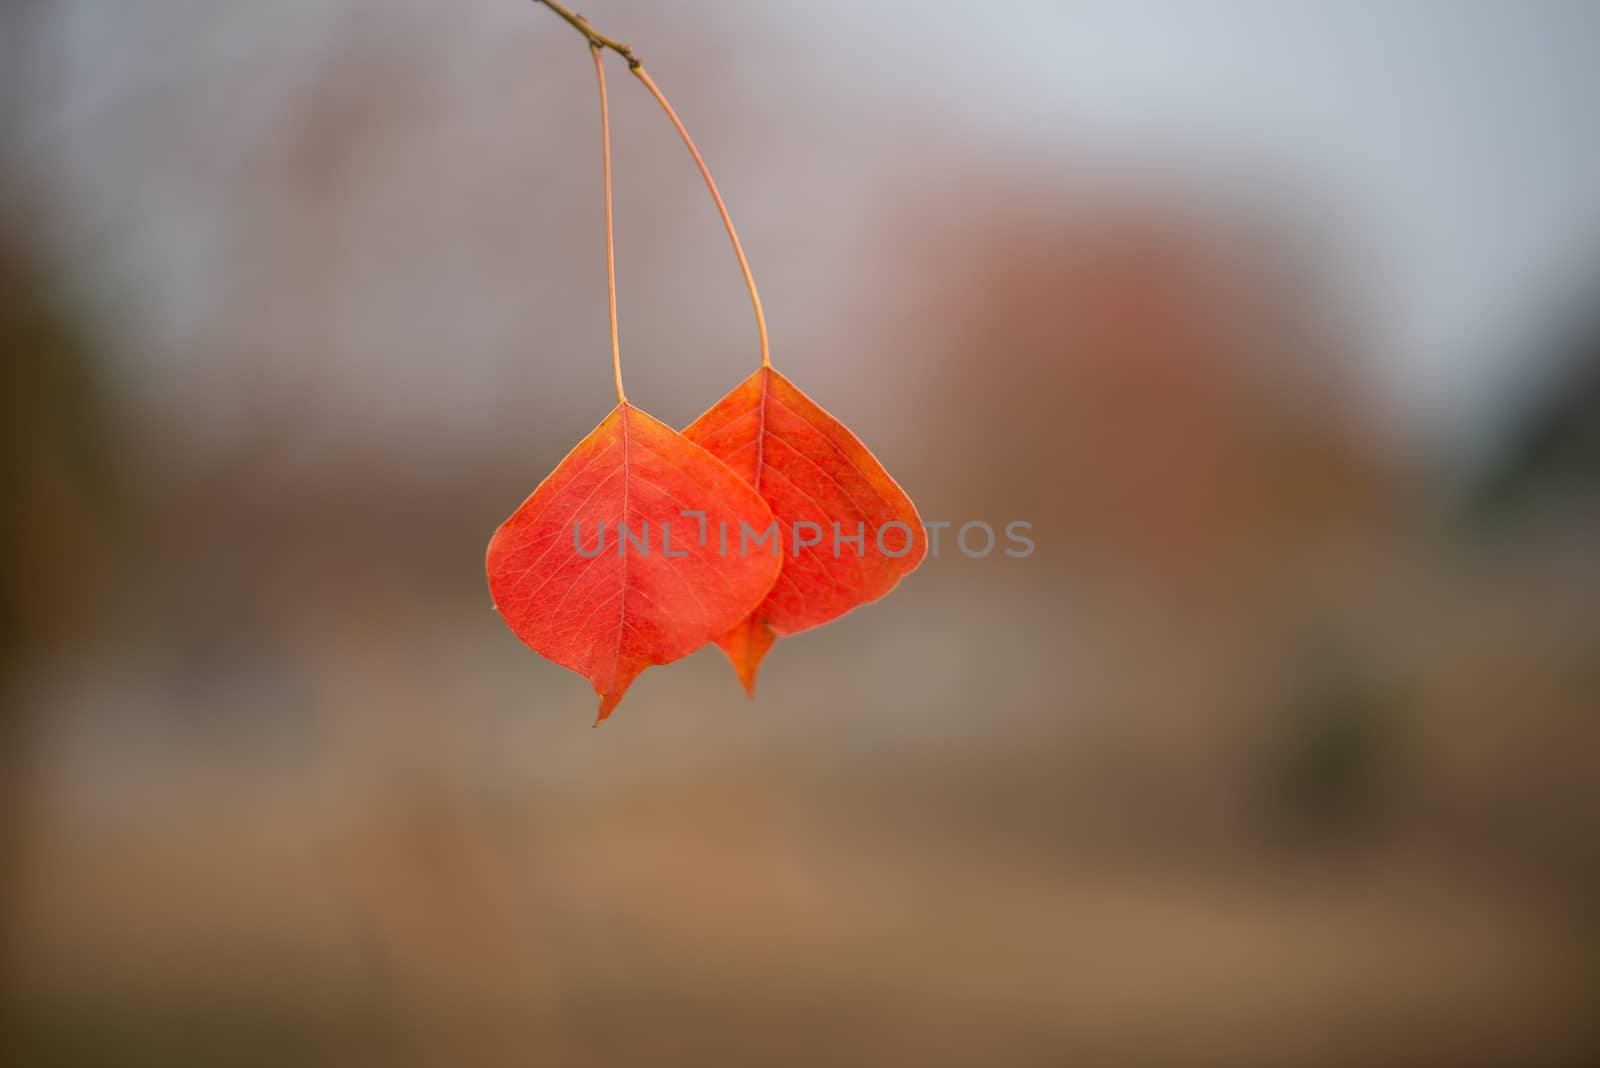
<point x="745" y="646"/>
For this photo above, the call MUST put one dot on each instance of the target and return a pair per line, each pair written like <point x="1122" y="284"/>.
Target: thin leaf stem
<point x="727" y="220"/>
<point x="611" y="245"/>
<point x="598" y="41"/>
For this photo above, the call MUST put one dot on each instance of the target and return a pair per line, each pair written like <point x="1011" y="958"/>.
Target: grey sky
<point x="1457" y="142"/>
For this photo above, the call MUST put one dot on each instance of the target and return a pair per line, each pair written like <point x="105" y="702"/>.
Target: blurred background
<point x="1278" y="321"/>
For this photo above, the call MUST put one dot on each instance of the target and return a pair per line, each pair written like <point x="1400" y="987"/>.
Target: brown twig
<point x="596" y="38"/>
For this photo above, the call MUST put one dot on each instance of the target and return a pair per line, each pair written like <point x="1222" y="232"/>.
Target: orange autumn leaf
<point x="610" y="614"/>
<point x="822" y="482"/>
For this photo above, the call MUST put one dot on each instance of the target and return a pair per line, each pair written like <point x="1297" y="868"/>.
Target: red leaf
<point x="811" y="469"/>
<point x="611" y="615"/>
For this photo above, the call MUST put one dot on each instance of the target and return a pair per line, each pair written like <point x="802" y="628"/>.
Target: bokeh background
<point x="1276" y="320"/>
